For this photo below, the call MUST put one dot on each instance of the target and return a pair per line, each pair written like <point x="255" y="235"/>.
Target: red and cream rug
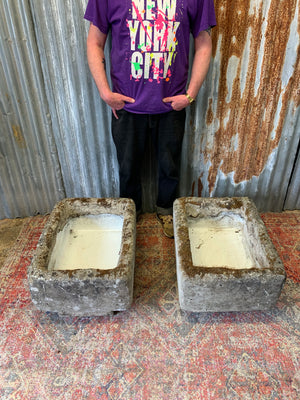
<point x="153" y="351"/>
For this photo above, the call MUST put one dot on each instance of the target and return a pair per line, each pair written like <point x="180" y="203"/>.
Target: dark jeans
<point x="130" y="133"/>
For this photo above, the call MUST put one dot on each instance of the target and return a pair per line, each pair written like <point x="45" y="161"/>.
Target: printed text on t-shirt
<point x="153" y="39"/>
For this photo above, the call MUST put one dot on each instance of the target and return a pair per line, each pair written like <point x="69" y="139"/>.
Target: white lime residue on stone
<point x="219" y="242"/>
<point x="90" y="241"/>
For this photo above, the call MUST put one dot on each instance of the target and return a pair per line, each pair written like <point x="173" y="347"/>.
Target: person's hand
<point x="177" y="102"/>
<point x="117" y="101"/>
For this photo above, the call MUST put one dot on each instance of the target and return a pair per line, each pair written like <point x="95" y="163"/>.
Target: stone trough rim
<point x="181" y="230"/>
<point x="90" y="274"/>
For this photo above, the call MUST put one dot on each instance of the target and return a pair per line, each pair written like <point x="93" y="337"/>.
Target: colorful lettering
<point x="153" y="39"/>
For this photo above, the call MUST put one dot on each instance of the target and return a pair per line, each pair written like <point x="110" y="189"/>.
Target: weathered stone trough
<point x="225" y="259"/>
<point x="84" y="261"/>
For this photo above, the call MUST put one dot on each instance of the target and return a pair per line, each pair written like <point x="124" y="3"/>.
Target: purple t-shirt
<point x="150" y="46"/>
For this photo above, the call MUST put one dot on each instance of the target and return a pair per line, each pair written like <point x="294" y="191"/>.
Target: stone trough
<point x="84" y="261"/>
<point x="224" y="257"/>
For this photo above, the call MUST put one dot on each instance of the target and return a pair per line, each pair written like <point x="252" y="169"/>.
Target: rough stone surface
<point x="90" y="292"/>
<point x="225" y="289"/>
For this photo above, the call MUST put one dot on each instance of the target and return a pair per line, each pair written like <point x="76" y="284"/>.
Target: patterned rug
<point x="153" y="351"/>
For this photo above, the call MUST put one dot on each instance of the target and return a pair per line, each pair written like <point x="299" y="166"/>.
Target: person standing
<point x="149" y="94"/>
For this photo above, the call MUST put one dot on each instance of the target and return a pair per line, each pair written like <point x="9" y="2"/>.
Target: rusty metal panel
<point x="30" y="180"/>
<point x="243" y="136"/>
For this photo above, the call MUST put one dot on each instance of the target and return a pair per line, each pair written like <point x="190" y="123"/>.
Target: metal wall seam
<point x="293" y="197"/>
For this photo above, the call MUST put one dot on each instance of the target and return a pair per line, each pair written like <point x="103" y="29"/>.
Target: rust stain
<point x="250" y="114"/>
<point x="193" y="189"/>
<point x="19" y="136"/>
<point x="200" y="185"/>
<point x="209" y="114"/>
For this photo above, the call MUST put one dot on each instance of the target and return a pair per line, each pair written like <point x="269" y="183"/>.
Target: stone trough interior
<point x="220" y="241"/>
<point x="84" y="262"/>
<point x="224" y="256"/>
<point x="88" y="242"/>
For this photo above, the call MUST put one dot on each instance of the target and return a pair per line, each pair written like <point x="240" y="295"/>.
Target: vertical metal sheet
<point x="30" y="180"/>
<point x="81" y="121"/>
<point x="243" y="133"/>
<point x="293" y="197"/>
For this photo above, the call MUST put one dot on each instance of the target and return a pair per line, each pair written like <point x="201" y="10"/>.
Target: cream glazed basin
<point x="84" y="261"/>
<point x="225" y="259"/>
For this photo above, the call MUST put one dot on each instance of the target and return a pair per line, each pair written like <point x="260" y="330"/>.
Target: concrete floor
<point x="9" y="232"/>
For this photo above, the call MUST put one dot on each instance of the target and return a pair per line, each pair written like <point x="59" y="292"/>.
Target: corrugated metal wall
<point x="80" y="120"/>
<point x="30" y="172"/>
<point x="245" y="128"/>
<point x="293" y="196"/>
<point x="242" y="134"/>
